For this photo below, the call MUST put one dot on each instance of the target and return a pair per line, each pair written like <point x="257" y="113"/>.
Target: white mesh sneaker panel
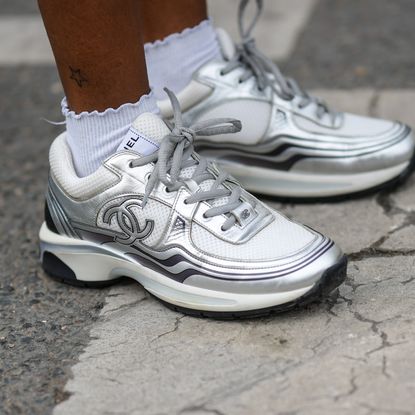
<point x="187" y="172"/>
<point x="279" y="239"/>
<point x="205" y="185"/>
<point x="160" y="214"/>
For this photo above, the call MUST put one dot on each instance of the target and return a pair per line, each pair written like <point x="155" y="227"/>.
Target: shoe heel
<point x="66" y="260"/>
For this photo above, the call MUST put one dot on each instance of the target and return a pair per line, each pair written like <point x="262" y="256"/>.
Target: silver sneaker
<point x="292" y="145"/>
<point x="187" y="232"/>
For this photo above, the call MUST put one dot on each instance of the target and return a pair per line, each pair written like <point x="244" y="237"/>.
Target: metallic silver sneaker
<point x="187" y="232"/>
<point x="292" y="145"/>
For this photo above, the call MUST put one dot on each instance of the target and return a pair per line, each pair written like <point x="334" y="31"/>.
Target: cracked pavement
<point x="119" y="351"/>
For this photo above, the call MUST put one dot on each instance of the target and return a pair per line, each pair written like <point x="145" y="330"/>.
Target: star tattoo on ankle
<point x="77" y="76"/>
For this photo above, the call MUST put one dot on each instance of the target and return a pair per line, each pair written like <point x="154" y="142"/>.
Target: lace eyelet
<point x="240" y="81"/>
<point x="223" y="230"/>
<point x="185" y="202"/>
<point x="221" y="72"/>
<point x="130" y="164"/>
<point x="288" y="97"/>
<point x="204" y="216"/>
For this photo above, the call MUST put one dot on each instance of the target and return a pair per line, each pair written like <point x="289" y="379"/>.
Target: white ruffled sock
<point x="94" y="136"/>
<point x="172" y="61"/>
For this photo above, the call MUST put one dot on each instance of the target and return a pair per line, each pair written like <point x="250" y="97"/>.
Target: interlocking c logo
<point x="128" y="222"/>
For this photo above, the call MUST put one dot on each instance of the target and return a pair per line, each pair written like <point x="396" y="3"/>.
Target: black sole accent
<point x="48" y="219"/>
<point x="390" y="185"/>
<point x="59" y="271"/>
<point x="330" y="280"/>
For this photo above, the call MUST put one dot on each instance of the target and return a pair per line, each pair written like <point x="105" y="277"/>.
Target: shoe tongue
<point x="144" y="138"/>
<point x="145" y="134"/>
<point x="226" y="43"/>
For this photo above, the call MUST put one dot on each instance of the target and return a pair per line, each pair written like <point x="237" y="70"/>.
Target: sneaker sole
<point x="306" y="188"/>
<point x="332" y="278"/>
<point x="85" y="264"/>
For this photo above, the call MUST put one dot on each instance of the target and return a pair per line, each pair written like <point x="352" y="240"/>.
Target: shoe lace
<point x="176" y="153"/>
<point x="256" y="64"/>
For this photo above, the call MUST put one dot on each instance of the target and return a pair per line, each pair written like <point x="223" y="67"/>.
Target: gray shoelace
<point x="176" y="153"/>
<point x="264" y="70"/>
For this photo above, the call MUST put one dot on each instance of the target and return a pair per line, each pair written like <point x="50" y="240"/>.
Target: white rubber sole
<point x="93" y="263"/>
<point x="304" y="185"/>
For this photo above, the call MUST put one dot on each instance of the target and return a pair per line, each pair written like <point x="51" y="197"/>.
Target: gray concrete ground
<point x="43" y="325"/>
<point x="118" y="351"/>
<point x="357" y="43"/>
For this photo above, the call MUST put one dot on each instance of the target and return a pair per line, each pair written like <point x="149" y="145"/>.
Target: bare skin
<point x="98" y="45"/>
<point x="98" y="50"/>
<point x="160" y="18"/>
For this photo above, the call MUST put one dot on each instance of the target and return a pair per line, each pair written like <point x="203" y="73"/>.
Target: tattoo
<point x="77" y="76"/>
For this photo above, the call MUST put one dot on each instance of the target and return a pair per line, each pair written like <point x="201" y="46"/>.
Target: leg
<point x="177" y="15"/>
<point x="101" y="64"/>
<point x="100" y="58"/>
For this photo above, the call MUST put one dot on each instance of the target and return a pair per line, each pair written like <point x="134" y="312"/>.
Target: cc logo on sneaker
<point x="128" y="222"/>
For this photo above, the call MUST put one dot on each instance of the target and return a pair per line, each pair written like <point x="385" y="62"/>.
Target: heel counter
<point x="55" y="216"/>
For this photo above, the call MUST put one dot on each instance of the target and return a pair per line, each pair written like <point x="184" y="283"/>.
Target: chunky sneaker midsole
<point x="74" y="260"/>
<point x="292" y="184"/>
